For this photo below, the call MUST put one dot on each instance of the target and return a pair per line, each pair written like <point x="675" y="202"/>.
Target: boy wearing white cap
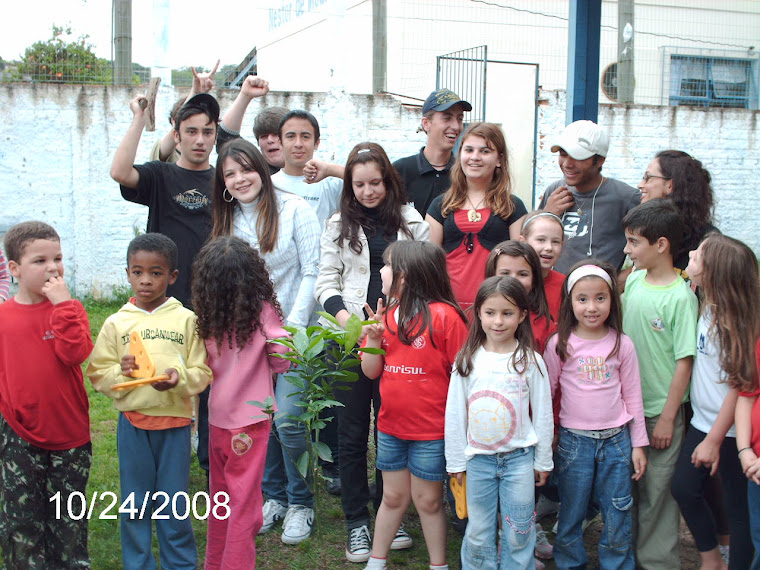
<point x="591" y="205"/>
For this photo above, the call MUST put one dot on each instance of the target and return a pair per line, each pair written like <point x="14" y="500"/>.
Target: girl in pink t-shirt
<point x="421" y="334"/>
<point x="602" y="431"/>
<point x="237" y="313"/>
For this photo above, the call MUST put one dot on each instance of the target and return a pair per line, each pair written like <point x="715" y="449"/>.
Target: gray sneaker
<point x="274" y="512"/>
<point x="357" y="545"/>
<point x="297" y="524"/>
<point x="402" y="540"/>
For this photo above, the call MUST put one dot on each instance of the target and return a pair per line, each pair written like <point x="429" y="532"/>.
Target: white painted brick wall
<point x="58" y="142"/>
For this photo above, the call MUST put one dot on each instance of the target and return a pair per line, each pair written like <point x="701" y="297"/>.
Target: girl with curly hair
<point x="284" y="229"/>
<point x="237" y="313"/>
<point x="477" y="211"/>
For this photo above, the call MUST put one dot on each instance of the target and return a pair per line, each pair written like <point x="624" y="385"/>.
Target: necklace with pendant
<point x="472" y="214"/>
<point x="583" y="204"/>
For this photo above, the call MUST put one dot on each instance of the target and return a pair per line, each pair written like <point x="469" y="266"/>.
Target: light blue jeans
<point x="282" y="480"/>
<point x="603" y="467"/>
<point x="508" y="476"/>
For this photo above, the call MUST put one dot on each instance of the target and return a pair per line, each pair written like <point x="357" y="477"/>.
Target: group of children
<point x="547" y="377"/>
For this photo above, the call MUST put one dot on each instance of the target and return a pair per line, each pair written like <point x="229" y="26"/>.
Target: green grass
<point x="325" y="550"/>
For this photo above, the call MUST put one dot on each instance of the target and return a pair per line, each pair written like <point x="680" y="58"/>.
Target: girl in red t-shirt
<point x="543" y="231"/>
<point x="519" y="260"/>
<point x="421" y="333"/>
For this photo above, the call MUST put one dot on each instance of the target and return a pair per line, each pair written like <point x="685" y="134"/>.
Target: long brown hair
<point x="419" y="278"/>
<point x="267" y="225"/>
<point x="567" y="320"/>
<point x="353" y="216"/>
<point x="731" y="289"/>
<point x="499" y="194"/>
<point x="513" y="291"/>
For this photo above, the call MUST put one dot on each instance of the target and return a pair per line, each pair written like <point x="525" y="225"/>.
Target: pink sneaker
<point x="543" y="548"/>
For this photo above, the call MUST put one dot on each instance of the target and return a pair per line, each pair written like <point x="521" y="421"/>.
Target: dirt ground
<point x="689" y="554"/>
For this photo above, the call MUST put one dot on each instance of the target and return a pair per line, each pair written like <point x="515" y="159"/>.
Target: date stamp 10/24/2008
<point x="178" y="506"/>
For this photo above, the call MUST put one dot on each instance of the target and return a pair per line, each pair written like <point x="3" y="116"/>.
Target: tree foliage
<point x="64" y="59"/>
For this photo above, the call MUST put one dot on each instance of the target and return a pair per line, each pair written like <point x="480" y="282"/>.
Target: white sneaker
<point x="402" y="540"/>
<point x="357" y="546"/>
<point x="274" y="512"/>
<point x="297" y="524"/>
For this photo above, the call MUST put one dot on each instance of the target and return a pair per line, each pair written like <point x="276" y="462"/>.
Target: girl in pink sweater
<point x="238" y="313"/>
<point x="602" y="432"/>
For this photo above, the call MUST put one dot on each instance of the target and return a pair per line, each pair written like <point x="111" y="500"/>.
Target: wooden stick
<point x="150" y="121"/>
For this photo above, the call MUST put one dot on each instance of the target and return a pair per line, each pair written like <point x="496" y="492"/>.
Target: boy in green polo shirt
<point x="660" y="316"/>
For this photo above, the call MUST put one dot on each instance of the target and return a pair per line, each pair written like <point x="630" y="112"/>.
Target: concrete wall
<point x="58" y="142"/>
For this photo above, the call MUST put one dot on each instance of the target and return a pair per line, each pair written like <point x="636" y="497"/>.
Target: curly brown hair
<point x="230" y="286"/>
<point x="692" y="195"/>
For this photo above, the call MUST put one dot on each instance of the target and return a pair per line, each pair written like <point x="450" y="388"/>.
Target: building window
<point x="711" y="81"/>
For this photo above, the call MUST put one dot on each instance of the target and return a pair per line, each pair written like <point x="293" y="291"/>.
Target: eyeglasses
<point x="647" y="177"/>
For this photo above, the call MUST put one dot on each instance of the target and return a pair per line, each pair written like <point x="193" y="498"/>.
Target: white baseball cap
<point x="582" y="140"/>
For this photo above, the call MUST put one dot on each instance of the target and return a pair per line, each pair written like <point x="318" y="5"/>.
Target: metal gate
<point x="464" y="72"/>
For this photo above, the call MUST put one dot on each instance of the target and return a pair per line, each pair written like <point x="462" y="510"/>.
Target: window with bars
<point x="711" y="81"/>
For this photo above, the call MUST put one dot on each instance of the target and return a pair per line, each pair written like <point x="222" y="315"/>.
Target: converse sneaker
<point x="357" y="545"/>
<point x="273" y="513"/>
<point x="402" y="540"/>
<point x="543" y="548"/>
<point x="297" y="524"/>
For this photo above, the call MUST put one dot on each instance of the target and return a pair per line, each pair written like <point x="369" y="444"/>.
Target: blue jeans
<point x="603" y="467"/>
<point x="753" y="499"/>
<point x="282" y="480"/>
<point x="508" y="476"/>
<point x="151" y="461"/>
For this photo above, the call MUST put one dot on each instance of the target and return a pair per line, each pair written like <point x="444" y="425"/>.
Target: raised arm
<point x="251" y="88"/>
<point x="202" y="83"/>
<point x="123" y="166"/>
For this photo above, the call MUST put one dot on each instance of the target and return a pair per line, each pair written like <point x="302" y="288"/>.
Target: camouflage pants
<point x="31" y="533"/>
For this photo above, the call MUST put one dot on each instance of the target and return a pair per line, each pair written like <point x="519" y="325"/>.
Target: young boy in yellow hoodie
<point x="153" y="433"/>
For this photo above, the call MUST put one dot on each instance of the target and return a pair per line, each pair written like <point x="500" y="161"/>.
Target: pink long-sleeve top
<point x="244" y="375"/>
<point x="598" y="391"/>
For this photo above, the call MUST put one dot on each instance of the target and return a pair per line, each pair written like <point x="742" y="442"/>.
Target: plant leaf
<point x="323" y="451"/>
<point x="303" y="464"/>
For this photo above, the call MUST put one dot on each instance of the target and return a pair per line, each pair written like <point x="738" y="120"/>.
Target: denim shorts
<point x="424" y="459"/>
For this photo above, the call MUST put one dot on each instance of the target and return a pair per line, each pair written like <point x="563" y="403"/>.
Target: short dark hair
<point x="267" y="122"/>
<point x="156" y="243"/>
<point x="655" y="219"/>
<point x="19" y="236"/>
<point x="201" y="104"/>
<point x="299" y="114"/>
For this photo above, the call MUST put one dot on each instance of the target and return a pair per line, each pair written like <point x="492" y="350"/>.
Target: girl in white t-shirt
<point x="724" y="270"/>
<point x="499" y="427"/>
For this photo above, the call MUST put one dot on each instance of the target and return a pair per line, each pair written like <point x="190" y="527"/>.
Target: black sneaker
<point x="358" y="544"/>
<point x="332" y="485"/>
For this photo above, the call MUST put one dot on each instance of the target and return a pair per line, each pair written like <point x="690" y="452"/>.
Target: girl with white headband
<point x="543" y="232"/>
<point x="602" y="431"/>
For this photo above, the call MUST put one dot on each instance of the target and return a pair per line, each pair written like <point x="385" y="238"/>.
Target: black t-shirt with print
<point x="179" y="206"/>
